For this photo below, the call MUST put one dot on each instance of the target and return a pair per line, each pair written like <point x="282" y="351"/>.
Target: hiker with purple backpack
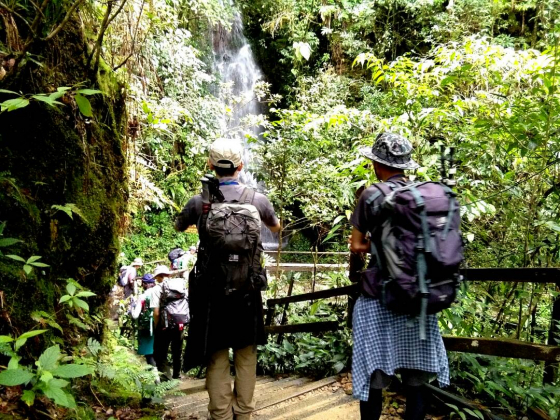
<point x="412" y="232"/>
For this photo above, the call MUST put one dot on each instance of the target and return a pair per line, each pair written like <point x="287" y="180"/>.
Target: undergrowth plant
<point x="47" y="375"/>
<point x="118" y="374"/>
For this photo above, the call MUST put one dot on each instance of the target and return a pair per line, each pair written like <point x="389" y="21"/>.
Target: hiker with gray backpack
<point x="171" y="317"/>
<point x="412" y="231"/>
<point x="226" y="283"/>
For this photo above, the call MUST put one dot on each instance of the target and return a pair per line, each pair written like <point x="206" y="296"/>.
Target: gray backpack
<point x="233" y="231"/>
<point x="175" y="303"/>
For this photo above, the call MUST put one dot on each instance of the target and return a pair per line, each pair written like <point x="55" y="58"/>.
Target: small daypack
<point x="416" y="268"/>
<point x="122" y="279"/>
<point x="233" y="231"/>
<point x="175" y="303"/>
<point x="145" y="319"/>
<point x="175" y="254"/>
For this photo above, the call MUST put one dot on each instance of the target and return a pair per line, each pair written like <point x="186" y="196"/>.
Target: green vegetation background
<point x="87" y="189"/>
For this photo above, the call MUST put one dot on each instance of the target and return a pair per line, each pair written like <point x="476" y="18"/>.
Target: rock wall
<point x="52" y="157"/>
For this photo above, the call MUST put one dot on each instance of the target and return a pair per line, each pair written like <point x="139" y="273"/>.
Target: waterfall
<point x="239" y="73"/>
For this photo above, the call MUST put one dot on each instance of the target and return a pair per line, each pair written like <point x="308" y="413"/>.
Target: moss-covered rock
<point x="52" y="157"/>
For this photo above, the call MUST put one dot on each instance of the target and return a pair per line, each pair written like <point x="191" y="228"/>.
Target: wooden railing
<point x="488" y="346"/>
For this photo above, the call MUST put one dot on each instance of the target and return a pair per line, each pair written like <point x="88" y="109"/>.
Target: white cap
<point x="137" y="262"/>
<point x="161" y="269"/>
<point x="226" y="153"/>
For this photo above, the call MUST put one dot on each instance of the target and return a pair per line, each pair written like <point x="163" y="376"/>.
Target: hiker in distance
<point x="226" y="283"/>
<point x="171" y="316"/>
<point x="389" y="336"/>
<point x="128" y="275"/>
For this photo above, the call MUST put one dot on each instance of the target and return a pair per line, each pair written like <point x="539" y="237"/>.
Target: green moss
<point x="54" y="157"/>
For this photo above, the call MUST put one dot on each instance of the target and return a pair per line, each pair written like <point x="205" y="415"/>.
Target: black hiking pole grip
<point x="451" y="182"/>
<point x="442" y="159"/>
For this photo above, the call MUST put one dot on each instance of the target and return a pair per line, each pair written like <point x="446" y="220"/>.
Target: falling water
<point x="239" y="74"/>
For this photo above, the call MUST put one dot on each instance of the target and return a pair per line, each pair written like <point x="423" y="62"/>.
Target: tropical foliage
<point x="476" y="76"/>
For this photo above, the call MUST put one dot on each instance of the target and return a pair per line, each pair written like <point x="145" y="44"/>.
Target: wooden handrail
<point x="502" y="347"/>
<point x="321" y="294"/>
<point x="529" y="275"/>
<point x="488" y="346"/>
<point x="524" y="275"/>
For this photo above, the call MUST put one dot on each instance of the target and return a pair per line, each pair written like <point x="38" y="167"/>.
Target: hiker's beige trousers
<point x="225" y="401"/>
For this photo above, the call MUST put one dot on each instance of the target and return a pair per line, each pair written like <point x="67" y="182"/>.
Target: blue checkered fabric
<point x="388" y="341"/>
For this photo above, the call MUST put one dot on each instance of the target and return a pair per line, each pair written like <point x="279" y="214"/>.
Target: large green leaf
<point x="16" y="257"/>
<point x="84" y="105"/>
<point x="71" y="289"/>
<point x="14" y="362"/>
<point x="23" y="338"/>
<point x="4" y="242"/>
<point x="45" y="318"/>
<point x="64" y="298"/>
<point x="13" y="377"/>
<point x="59" y="396"/>
<point x="13" y="104"/>
<point x="50" y="357"/>
<point x="30" y="334"/>
<point x="88" y="91"/>
<point x="60" y="383"/>
<point x="39" y="264"/>
<point x="81" y="303"/>
<point x="71" y="371"/>
<point x="85" y="294"/>
<point x="50" y="100"/>
<point x="6" y="339"/>
<point x="28" y="397"/>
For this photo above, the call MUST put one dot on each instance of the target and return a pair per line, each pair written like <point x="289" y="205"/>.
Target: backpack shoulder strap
<point x="382" y="191"/>
<point x="247" y="196"/>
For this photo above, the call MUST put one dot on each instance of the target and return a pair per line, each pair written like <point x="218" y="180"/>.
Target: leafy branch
<point x="51" y="99"/>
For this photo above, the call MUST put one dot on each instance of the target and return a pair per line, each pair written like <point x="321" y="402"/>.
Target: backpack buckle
<point x="420" y="243"/>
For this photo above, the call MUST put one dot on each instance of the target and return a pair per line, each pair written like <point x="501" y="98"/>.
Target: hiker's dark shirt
<point x="228" y="321"/>
<point x="193" y="210"/>
<point x="365" y="218"/>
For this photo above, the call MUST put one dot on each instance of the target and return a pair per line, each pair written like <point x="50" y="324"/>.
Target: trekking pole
<point x="205" y="190"/>
<point x="214" y="188"/>
<point x="442" y="159"/>
<point x="451" y="182"/>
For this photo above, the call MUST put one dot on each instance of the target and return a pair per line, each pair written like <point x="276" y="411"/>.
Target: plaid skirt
<point x="388" y="341"/>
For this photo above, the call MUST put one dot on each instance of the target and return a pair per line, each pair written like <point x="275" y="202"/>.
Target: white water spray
<point x="239" y="74"/>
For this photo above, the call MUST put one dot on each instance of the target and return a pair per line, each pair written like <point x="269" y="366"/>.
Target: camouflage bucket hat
<point x="392" y="150"/>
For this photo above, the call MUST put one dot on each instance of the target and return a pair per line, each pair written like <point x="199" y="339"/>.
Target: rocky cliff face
<point x="55" y="156"/>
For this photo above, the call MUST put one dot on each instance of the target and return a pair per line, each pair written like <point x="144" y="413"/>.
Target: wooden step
<point x="196" y="403"/>
<point x="286" y="398"/>
<point x="318" y="401"/>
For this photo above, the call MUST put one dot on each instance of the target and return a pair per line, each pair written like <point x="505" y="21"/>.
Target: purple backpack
<point x="416" y="270"/>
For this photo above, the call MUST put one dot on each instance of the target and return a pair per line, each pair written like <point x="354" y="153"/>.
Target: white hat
<point x="137" y="262"/>
<point x="161" y="269"/>
<point x="226" y="153"/>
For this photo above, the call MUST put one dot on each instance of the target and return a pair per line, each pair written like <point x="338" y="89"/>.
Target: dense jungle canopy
<point x="106" y="111"/>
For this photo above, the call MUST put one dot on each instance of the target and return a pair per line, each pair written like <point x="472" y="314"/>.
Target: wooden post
<point x="270" y="315"/>
<point x="551" y="368"/>
<point x="284" y="315"/>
